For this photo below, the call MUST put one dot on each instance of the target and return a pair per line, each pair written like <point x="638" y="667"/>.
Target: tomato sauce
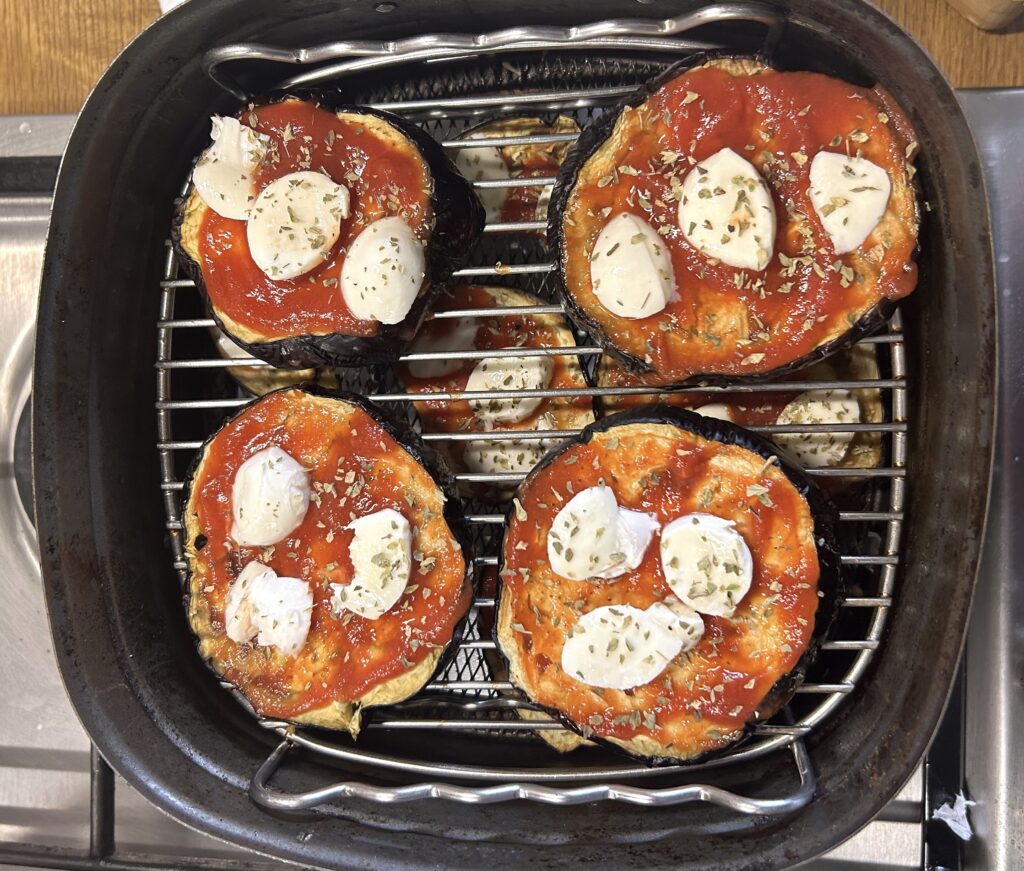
<point x="356" y="468"/>
<point x="382" y="180"/>
<point x="727" y="320"/>
<point x="708" y="693"/>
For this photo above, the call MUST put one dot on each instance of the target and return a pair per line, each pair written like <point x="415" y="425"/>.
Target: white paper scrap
<point x="955" y="816"/>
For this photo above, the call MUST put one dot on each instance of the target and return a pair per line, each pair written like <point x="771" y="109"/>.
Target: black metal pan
<point x="118" y="625"/>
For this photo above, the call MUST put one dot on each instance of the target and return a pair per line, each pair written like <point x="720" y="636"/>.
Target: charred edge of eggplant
<point x="830" y="581"/>
<point x="408" y="440"/>
<point x="458" y="223"/>
<point x="495" y="122"/>
<point x="593" y="136"/>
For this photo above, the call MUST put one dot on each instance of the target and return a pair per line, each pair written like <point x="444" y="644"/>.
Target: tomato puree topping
<point x="356" y="468"/>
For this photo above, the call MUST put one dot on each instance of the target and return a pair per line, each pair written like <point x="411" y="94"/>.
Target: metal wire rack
<point x="472" y="695"/>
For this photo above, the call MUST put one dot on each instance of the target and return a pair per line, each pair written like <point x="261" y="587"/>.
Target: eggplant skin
<point x="830" y="581"/>
<point x="592" y="138"/>
<point x="350" y="715"/>
<point x="458" y="222"/>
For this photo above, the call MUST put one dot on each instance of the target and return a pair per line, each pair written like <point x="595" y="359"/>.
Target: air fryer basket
<point x="128" y="660"/>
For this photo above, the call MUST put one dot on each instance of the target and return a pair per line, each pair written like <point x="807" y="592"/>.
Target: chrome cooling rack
<point x="194" y="393"/>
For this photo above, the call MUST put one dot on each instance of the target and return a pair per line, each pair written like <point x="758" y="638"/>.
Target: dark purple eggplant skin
<point x="458" y="222"/>
<point x="830" y="578"/>
<point x="592" y="137"/>
<point x="409" y="439"/>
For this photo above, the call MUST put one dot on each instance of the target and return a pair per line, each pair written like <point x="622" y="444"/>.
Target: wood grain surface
<point x="50" y="68"/>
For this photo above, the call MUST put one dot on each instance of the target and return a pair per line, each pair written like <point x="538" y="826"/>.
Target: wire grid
<point x="473" y="693"/>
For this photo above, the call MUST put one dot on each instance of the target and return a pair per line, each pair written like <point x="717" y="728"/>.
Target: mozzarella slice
<point x="630" y="268"/>
<point x="383" y="271"/>
<point x="718" y="410"/>
<point x="238" y="619"/>
<point x="277" y="610"/>
<point x="508" y="373"/>
<point x="507" y="455"/>
<point x="850" y="195"/>
<point x="485" y="163"/>
<point x="295" y="222"/>
<point x="819" y="449"/>
<point x="225" y="174"/>
<point x="381" y="555"/>
<point x="726" y="211"/>
<point x="706" y="563"/>
<point x="441" y="336"/>
<point x="620" y="647"/>
<point x="592" y="537"/>
<point x="269" y="498"/>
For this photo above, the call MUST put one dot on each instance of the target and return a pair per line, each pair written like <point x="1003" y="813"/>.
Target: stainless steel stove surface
<point x="60" y="806"/>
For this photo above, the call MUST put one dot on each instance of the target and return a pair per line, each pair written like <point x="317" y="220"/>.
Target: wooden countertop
<point x="51" y="69"/>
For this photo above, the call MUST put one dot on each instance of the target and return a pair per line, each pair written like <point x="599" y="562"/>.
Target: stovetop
<point x="57" y="794"/>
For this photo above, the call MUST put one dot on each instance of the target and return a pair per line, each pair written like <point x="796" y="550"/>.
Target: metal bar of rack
<point x="472" y="697"/>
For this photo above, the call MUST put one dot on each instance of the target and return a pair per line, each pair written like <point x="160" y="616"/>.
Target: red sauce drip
<point x="727" y="320"/>
<point x="382" y="179"/>
<point x="344" y="657"/>
<point x="708" y="693"/>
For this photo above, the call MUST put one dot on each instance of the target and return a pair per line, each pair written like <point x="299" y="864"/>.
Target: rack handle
<point x="622" y="33"/>
<point x="267" y="796"/>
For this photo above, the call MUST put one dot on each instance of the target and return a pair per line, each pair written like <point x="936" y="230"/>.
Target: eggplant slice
<point x="858" y="362"/>
<point x="671" y="462"/>
<point x="515" y="204"/>
<point x="484" y="333"/>
<point x="359" y="462"/>
<point x="391" y="169"/>
<point x="720" y="322"/>
<point x="260" y="380"/>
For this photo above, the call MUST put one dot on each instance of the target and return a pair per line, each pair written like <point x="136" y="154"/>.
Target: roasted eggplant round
<point x="732" y="221"/>
<point x="490" y="454"/>
<point x="489" y="163"/>
<point x="320" y="232"/>
<point x="857" y="450"/>
<point x="326" y="569"/>
<point x="260" y="380"/>
<point x="666" y="580"/>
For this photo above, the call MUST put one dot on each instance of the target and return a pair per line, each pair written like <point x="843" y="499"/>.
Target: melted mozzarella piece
<point x="718" y="410"/>
<point x="507" y="455"/>
<point x="620" y="647"/>
<point x="706" y="563"/>
<point x="458" y="337"/>
<point x="381" y="555"/>
<point x="295" y="222"/>
<point x="383" y="271"/>
<point x="508" y="373"/>
<point x="485" y="163"/>
<point x="630" y="268"/>
<point x="225" y="174"/>
<point x="850" y="195"/>
<point x="275" y="609"/>
<point x="269" y="498"/>
<point x="819" y="449"/>
<point x="726" y="211"/>
<point x="592" y="537"/>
